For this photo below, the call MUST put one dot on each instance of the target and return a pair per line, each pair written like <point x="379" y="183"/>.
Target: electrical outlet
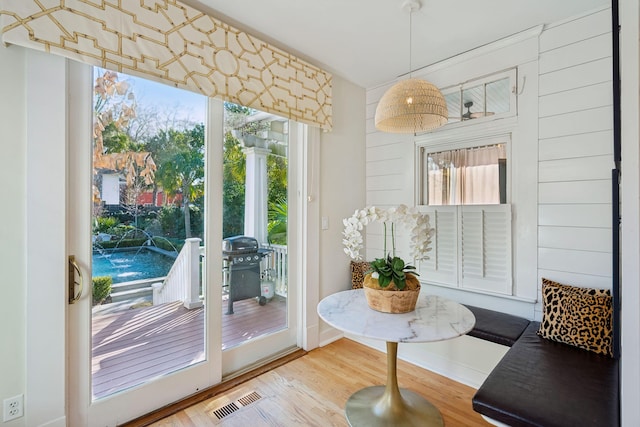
<point x="13" y="408"/>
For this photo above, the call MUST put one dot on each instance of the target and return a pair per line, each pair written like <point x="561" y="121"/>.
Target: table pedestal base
<point x="371" y="407"/>
<point x="389" y="406"/>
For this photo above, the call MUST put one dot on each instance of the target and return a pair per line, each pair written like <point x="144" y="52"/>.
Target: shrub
<point x="171" y="221"/>
<point x="124" y="243"/>
<point x="101" y="288"/>
<point x="124" y="230"/>
<point x="105" y="224"/>
<point x="197" y="221"/>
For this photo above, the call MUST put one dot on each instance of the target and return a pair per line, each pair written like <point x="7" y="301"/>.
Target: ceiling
<point x="367" y="41"/>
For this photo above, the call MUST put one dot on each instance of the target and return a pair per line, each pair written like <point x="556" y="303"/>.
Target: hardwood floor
<point x="313" y="389"/>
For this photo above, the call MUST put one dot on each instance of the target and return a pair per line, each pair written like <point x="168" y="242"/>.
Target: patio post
<point x="192" y="299"/>
<point x="255" y="199"/>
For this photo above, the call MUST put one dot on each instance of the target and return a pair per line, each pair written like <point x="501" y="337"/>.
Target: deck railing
<point x="183" y="280"/>
<point x="277" y="263"/>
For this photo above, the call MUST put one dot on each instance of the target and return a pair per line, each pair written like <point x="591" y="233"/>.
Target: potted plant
<point x="391" y="285"/>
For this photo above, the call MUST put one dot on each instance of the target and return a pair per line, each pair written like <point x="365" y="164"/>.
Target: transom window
<point x="485" y="98"/>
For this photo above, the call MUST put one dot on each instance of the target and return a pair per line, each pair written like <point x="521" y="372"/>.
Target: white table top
<point x="434" y="319"/>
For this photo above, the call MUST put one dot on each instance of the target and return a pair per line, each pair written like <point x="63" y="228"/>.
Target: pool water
<point x="125" y="266"/>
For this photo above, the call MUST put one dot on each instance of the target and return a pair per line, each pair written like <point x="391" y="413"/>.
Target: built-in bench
<point x="540" y="382"/>
<point x="500" y="328"/>
<point x="544" y="383"/>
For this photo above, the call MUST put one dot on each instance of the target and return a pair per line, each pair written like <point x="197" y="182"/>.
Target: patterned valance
<point x="170" y="42"/>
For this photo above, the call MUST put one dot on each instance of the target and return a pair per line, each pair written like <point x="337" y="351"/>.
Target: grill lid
<point x="239" y="245"/>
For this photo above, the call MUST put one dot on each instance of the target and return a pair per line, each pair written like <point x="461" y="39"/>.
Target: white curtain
<point x="468" y="176"/>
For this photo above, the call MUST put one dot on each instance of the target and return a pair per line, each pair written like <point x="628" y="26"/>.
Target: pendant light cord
<point x="410" y="41"/>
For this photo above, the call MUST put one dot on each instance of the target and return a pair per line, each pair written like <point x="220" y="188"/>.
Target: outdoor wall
<point x="342" y="189"/>
<point x="12" y="226"/>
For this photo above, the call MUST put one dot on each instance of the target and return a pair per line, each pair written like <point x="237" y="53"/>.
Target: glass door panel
<point x="148" y="218"/>
<point x="128" y="143"/>
<point x="255" y="203"/>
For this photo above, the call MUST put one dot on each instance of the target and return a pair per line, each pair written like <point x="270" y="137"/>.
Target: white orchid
<point x="417" y="222"/>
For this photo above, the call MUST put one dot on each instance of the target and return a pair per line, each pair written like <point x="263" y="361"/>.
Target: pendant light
<point x="411" y="105"/>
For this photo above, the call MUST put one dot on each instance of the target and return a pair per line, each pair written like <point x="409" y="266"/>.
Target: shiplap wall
<point x="570" y="104"/>
<point x="575" y="152"/>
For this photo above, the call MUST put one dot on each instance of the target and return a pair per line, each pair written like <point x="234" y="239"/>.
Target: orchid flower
<point x="417" y="222"/>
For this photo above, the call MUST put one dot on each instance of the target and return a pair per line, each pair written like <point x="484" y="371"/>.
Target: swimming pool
<point x="128" y="265"/>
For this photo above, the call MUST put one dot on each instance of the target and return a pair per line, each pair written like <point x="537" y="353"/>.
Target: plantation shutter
<point x="441" y="267"/>
<point x="485" y="255"/>
<point x="471" y="248"/>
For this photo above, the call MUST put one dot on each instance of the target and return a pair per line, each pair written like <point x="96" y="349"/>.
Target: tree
<point x="233" y="187"/>
<point x="130" y="196"/>
<point x="114" y="140"/>
<point x="181" y="166"/>
<point x="277" y="227"/>
<point x="278" y="206"/>
<point x="113" y="149"/>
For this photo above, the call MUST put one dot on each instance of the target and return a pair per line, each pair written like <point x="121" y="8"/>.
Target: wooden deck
<point x="134" y="345"/>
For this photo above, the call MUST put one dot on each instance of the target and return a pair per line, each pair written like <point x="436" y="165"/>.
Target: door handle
<point x="73" y="269"/>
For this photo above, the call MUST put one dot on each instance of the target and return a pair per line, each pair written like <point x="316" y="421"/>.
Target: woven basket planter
<point x="389" y="299"/>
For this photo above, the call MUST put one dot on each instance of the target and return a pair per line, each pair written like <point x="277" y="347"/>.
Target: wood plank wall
<point x="574" y="124"/>
<point x="575" y="152"/>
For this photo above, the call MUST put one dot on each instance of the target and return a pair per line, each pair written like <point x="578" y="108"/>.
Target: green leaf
<point x="384" y="281"/>
<point x="397" y="264"/>
<point x="398" y="275"/>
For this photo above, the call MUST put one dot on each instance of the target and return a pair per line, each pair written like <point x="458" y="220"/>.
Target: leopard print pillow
<point x="358" y="271"/>
<point x="581" y="317"/>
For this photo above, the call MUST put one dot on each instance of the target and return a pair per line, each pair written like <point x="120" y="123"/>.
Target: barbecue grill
<point x="242" y="256"/>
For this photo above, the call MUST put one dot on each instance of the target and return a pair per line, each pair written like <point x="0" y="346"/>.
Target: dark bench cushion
<point x="500" y="328"/>
<point x="545" y="383"/>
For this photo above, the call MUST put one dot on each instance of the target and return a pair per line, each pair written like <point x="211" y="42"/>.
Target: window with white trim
<point x="518" y="122"/>
<point x="487" y="98"/>
<point x="466" y="193"/>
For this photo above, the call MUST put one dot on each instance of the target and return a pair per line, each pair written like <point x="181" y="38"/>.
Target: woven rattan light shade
<point x="411" y="106"/>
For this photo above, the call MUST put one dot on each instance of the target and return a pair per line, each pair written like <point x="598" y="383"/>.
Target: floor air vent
<point x="232" y="407"/>
<point x="249" y="398"/>
<point x="229" y="409"/>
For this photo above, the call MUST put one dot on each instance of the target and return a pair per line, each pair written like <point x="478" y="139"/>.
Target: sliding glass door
<point x="180" y="228"/>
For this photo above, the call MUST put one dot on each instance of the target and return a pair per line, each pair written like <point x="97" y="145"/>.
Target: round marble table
<point x="434" y="319"/>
